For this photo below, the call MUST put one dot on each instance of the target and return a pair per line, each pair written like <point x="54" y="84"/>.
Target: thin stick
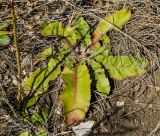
<point x="154" y="131"/>
<point x="17" y="52"/>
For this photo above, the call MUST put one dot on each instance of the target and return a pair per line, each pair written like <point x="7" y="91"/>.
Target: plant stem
<point x="17" y="52"/>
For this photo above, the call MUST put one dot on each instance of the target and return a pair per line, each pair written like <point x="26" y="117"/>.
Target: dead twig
<point x="154" y="131"/>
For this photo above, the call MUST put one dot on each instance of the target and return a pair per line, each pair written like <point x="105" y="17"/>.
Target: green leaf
<point x="97" y="45"/>
<point x="117" y="19"/>
<point x="3" y="25"/>
<point x="4" y="32"/>
<point x="32" y="101"/>
<point x="70" y="37"/>
<point x="31" y="80"/>
<point x="42" y="132"/>
<point x="38" y="81"/>
<point x="4" y="39"/>
<point x="102" y="82"/>
<point x="106" y="39"/>
<point x="76" y="94"/>
<point x="120" y="67"/>
<point x="40" y="117"/>
<point x="47" y="52"/>
<point x="50" y="52"/>
<point x="70" y="62"/>
<point x="36" y="118"/>
<point x="54" y="28"/>
<point x="45" y="113"/>
<point x="105" y="50"/>
<point x="83" y="28"/>
<point x="25" y="133"/>
<point x="67" y="35"/>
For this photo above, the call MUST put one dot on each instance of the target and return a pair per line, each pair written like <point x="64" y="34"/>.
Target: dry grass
<point x="140" y="37"/>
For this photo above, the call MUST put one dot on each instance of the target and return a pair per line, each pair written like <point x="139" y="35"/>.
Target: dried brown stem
<point x="17" y="51"/>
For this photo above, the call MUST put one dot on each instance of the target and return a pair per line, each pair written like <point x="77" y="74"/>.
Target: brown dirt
<point x="140" y="113"/>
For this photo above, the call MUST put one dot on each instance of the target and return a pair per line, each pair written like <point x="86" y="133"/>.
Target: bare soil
<point x="133" y="106"/>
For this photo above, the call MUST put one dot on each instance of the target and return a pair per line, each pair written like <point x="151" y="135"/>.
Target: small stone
<point x="14" y="80"/>
<point x="83" y="128"/>
<point x="137" y="101"/>
<point x="24" y="72"/>
<point x="150" y="106"/>
<point x="119" y="104"/>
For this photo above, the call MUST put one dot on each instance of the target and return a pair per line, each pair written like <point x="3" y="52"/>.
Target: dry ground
<point x="140" y="113"/>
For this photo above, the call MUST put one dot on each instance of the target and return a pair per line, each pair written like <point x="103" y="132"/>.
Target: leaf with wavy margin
<point x="67" y="35"/>
<point x="120" y="67"/>
<point x="83" y="28"/>
<point x="102" y="82"/>
<point x="52" y="29"/>
<point x="76" y="94"/>
<point x="38" y="81"/>
<point x="117" y="19"/>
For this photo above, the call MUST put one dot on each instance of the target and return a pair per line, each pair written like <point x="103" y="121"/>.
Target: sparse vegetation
<point x="79" y="55"/>
<point x="71" y="67"/>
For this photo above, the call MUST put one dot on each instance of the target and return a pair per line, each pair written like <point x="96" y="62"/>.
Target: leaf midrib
<point x="76" y="85"/>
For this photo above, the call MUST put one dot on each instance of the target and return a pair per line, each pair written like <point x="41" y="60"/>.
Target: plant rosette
<point x="82" y="54"/>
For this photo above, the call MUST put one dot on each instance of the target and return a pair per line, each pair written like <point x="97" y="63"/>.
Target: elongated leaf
<point x="3" y="25"/>
<point x="76" y="94"/>
<point x="102" y="82"/>
<point x="54" y="28"/>
<point x="83" y="28"/>
<point x="120" y="67"/>
<point x="67" y="35"/>
<point x="50" y="52"/>
<point x="4" y="39"/>
<point x="38" y="81"/>
<point x="117" y="19"/>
